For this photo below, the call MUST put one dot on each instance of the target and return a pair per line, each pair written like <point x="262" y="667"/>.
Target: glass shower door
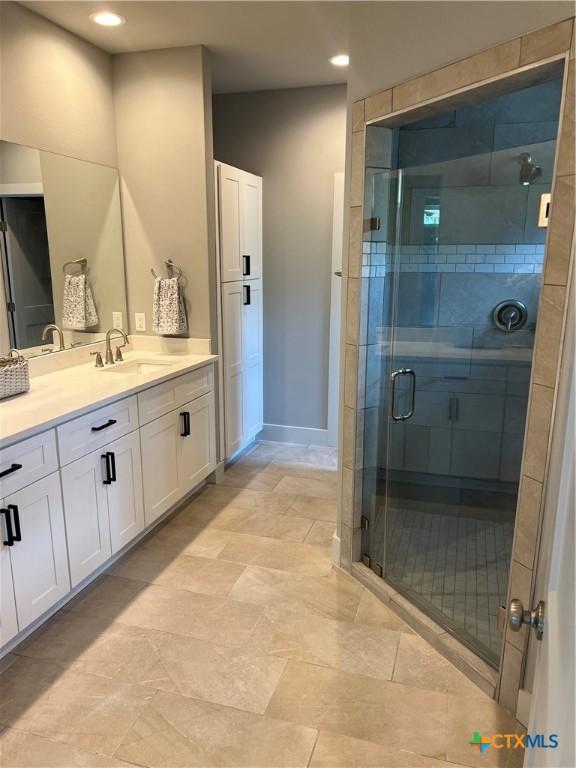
<point x="445" y="390"/>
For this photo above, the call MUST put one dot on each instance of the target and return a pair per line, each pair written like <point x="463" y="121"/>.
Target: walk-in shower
<point x="454" y="233"/>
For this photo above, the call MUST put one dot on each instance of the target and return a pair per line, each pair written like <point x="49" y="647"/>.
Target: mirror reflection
<point x="62" y="278"/>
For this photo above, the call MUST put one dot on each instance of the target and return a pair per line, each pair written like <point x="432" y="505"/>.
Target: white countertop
<point x="62" y="395"/>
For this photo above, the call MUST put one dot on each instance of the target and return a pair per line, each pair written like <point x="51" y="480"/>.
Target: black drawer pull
<point x="186" y="425"/>
<point x="246" y="295"/>
<point x="13" y="468"/>
<point x="9" y="542"/>
<point x="108" y="478"/>
<point x="17" y="536"/>
<point x="112" y="466"/>
<point x="246" y="270"/>
<point x="109" y="423"/>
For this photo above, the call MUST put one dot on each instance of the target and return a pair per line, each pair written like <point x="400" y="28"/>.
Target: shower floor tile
<point x="458" y="565"/>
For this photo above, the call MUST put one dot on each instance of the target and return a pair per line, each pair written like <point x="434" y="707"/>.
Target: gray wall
<point x="56" y="89"/>
<point x="163" y="119"/>
<point x="294" y="139"/>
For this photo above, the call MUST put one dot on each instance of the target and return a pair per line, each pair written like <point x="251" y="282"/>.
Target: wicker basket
<point x="14" y="374"/>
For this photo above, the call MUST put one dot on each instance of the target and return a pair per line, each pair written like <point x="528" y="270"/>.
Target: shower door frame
<point x="482" y="75"/>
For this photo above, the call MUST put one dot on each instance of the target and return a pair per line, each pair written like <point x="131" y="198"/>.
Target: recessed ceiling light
<point x="107" y="19"/>
<point x="342" y="60"/>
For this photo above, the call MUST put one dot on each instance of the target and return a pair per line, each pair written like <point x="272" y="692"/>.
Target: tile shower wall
<point x="521" y="258"/>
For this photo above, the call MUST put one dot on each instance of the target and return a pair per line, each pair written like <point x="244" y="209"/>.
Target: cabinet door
<point x="8" y="620"/>
<point x="229" y="192"/>
<point x="252" y="346"/>
<point x="232" y="315"/>
<point x="159" y="443"/>
<point x="251" y="225"/>
<point x="197" y="455"/>
<point x="39" y="561"/>
<point x="125" y="502"/>
<point x="86" y="513"/>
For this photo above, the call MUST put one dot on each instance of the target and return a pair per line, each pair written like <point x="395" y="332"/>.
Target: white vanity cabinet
<point x="124" y="493"/>
<point x="34" y="524"/>
<point x="74" y="496"/>
<point x="86" y="513"/>
<point x="178" y="451"/>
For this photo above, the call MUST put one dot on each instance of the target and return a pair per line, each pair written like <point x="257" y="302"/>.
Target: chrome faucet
<point x="56" y="329"/>
<point x="109" y="355"/>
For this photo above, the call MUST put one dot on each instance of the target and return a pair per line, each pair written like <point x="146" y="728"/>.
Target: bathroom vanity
<point x="90" y="460"/>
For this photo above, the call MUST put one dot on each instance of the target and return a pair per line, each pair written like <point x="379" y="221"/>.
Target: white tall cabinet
<point x="239" y="212"/>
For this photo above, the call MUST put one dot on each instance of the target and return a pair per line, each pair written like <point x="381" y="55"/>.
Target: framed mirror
<point x="61" y="251"/>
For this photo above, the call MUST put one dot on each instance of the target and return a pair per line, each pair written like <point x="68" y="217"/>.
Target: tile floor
<point x="228" y="639"/>
<point x="458" y="565"/>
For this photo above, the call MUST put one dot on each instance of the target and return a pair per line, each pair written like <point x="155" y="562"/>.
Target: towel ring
<point x="82" y="263"/>
<point x="170" y="264"/>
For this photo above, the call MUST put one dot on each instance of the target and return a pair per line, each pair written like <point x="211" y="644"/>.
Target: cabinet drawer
<point x="95" y="429"/>
<point x="27" y="461"/>
<point x="160" y="400"/>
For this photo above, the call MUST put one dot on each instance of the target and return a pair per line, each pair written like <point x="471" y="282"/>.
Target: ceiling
<point x="253" y="45"/>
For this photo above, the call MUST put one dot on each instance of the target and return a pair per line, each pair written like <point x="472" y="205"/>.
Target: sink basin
<point x="139" y="366"/>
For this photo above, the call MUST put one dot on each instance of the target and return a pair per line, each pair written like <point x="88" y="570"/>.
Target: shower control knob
<point x="510" y="315"/>
<point x="517" y="616"/>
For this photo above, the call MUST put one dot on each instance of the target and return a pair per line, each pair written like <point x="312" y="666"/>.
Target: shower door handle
<point x="403" y="372"/>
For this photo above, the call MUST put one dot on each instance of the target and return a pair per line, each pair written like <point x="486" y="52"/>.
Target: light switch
<point x="117" y="321"/>
<point x="140" y="319"/>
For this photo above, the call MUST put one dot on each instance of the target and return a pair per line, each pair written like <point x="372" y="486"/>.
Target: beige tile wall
<point x="502" y="60"/>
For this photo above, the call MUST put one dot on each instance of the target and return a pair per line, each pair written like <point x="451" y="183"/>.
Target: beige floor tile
<point x="420" y="665"/>
<point x="331" y="595"/>
<point x="321" y="534"/>
<point x="280" y="468"/>
<point x="274" y="526"/>
<point x="387" y="713"/>
<point x="223" y="675"/>
<point x="92" y="713"/>
<point x="373" y="612"/>
<point x="466" y="716"/>
<point x="321" y="489"/>
<point x="271" y="553"/>
<point x="233" y="519"/>
<point x="333" y="750"/>
<point x="216" y="497"/>
<point x="24" y="750"/>
<point x="205" y="617"/>
<point x="197" y="574"/>
<point x="337" y="644"/>
<point x="187" y="539"/>
<point x="314" y="508"/>
<point x="252" y="479"/>
<point x="175" y="732"/>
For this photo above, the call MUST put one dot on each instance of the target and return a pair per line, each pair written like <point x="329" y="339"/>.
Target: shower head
<point x="529" y="173"/>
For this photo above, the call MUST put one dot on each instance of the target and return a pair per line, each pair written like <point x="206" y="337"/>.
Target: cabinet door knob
<point x="17" y="536"/>
<point x="108" y="477"/>
<point x="112" y="466"/>
<point x="186" y="424"/>
<point x="9" y="541"/>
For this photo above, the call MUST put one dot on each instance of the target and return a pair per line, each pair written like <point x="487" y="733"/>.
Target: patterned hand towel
<point x="168" y="310"/>
<point x="78" y="309"/>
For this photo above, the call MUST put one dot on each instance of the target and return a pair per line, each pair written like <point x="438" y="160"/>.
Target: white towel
<point x="168" y="310"/>
<point x="78" y="310"/>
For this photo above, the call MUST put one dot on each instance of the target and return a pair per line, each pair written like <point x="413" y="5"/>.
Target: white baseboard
<point x="335" y="553"/>
<point x="281" y="433"/>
